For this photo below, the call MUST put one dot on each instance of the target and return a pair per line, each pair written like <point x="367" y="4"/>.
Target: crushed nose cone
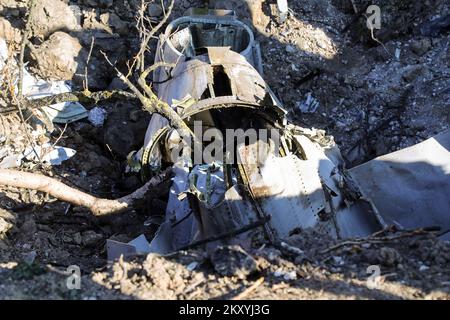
<point x="273" y="185"/>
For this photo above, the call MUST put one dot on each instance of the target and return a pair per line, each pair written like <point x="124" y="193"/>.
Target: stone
<point x="60" y="57"/>
<point x="49" y="16"/>
<point x="28" y="227"/>
<point x="92" y="160"/>
<point x="4" y="226"/>
<point x="155" y="10"/>
<point x="233" y="261"/>
<point x="117" y="84"/>
<point x="389" y="257"/>
<point x="410" y="73"/>
<point x="113" y="20"/>
<point x="8" y="32"/>
<point x="420" y="47"/>
<point x="106" y="3"/>
<point x="90" y="238"/>
<point x="290" y="49"/>
<point x="120" y="138"/>
<point x="77" y="238"/>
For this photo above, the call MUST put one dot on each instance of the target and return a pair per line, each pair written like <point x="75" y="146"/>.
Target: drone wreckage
<point x="268" y="188"/>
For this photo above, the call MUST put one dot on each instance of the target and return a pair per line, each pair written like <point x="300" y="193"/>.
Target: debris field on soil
<point x="329" y="73"/>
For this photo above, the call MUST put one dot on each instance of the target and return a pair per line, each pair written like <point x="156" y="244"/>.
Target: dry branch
<point x="84" y="97"/>
<point x="61" y="191"/>
<point x="373" y="239"/>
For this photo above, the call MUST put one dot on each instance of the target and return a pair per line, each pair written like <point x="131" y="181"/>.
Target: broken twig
<point x="378" y="240"/>
<point x="244" y="294"/>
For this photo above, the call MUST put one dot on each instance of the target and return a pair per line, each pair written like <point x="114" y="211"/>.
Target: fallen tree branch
<point x="85" y="97"/>
<point x="61" y="191"/>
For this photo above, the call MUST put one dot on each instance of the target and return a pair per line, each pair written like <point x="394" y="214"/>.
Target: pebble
<point x="290" y="49"/>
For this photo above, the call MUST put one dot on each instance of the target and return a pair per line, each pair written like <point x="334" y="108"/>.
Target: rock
<point x="258" y="18"/>
<point x="381" y="146"/>
<point x="4" y="226"/>
<point x="105" y="3"/>
<point x="28" y="227"/>
<point x="89" y="238"/>
<point x="288" y="276"/>
<point x="123" y="135"/>
<point x="290" y="49"/>
<point x="233" y="261"/>
<point x="155" y="10"/>
<point x="11" y="161"/>
<point x="434" y="27"/>
<point x="49" y="16"/>
<point x="410" y="73"/>
<point x="420" y="47"/>
<point x="338" y="260"/>
<point x="120" y="138"/>
<point x="192" y="266"/>
<point x="113" y="20"/>
<point x="77" y="239"/>
<point x="92" y="160"/>
<point x="97" y="116"/>
<point x="117" y="84"/>
<point x="29" y="257"/>
<point x="59" y="57"/>
<point x="8" y="32"/>
<point x="99" y="3"/>
<point x="423" y="268"/>
<point x="389" y="257"/>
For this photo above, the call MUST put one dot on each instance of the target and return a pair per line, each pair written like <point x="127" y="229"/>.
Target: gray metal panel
<point x="410" y="187"/>
<point x="357" y="220"/>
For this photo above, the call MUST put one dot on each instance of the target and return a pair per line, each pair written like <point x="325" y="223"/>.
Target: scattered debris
<point x="97" y="116"/>
<point x="65" y="112"/>
<point x="116" y="249"/>
<point x="362" y="95"/>
<point x="288" y="276"/>
<point x="434" y="27"/>
<point x="233" y="261"/>
<point x="283" y="10"/>
<point x="310" y="105"/>
<point x="53" y="155"/>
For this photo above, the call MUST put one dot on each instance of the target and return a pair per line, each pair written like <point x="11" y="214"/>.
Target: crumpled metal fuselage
<point x="278" y="187"/>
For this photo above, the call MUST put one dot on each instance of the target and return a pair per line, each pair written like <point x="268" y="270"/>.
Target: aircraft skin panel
<point x="410" y="187"/>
